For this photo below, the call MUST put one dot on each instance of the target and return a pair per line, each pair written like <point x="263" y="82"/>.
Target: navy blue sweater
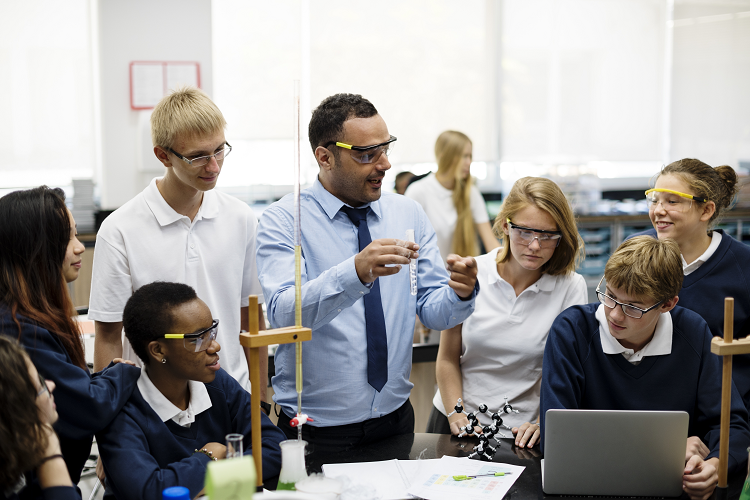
<point x="143" y="455"/>
<point x="85" y="403"/>
<point x="725" y="274"/>
<point x="52" y="493"/>
<point x="577" y="374"/>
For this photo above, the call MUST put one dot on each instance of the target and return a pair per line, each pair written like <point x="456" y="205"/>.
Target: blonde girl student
<point x="526" y="283"/>
<point x="452" y="202"/>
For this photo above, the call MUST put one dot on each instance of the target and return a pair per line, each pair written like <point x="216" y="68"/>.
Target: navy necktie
<point x="377" y="343"/>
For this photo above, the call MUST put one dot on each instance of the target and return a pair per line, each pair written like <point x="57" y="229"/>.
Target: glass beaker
<point x="292" y="463"/>
<point x="234" y="445"/>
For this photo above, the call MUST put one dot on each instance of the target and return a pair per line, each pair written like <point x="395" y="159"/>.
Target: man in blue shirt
<point x="356" y="367"/>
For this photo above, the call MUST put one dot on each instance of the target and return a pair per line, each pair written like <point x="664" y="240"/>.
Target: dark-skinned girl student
<point x="185" y="404"/>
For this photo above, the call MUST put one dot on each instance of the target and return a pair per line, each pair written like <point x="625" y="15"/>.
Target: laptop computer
<point x="614" y="452"/>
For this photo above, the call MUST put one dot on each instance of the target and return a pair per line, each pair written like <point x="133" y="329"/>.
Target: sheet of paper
<point x="436" y="481"/>
<point x="387" y="477"/>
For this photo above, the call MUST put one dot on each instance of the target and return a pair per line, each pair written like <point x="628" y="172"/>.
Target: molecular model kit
<point x="484" y="450"/>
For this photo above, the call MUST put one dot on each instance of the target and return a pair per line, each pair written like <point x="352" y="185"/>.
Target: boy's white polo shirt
<point x="659" y="345"/>
<point x="145" y="240"/>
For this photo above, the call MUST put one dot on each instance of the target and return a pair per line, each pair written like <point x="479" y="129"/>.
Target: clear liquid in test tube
<point x="412" y="264"/>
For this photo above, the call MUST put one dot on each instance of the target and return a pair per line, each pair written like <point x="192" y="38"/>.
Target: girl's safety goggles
<point x="672" y="201"/>
<point x="525" y="235"/>
<point x="198" y="341"/>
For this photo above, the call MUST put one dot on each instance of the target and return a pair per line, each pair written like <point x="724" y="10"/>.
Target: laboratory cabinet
<point x="603" y="234"/>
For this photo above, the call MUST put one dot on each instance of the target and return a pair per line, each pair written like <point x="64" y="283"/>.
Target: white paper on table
<point x="436" y="482"/>
<point x="386" y="477"/>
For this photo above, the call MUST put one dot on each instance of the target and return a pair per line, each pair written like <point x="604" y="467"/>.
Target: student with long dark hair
<point x="39" y="255"/>
<point x="27" y="440"/>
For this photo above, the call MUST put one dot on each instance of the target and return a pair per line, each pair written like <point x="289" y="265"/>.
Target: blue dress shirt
<point x="335" y="388"/>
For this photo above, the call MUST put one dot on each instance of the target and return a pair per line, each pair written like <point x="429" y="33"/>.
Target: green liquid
<point x="746" y="490"/>
<point x="285" y="486"/>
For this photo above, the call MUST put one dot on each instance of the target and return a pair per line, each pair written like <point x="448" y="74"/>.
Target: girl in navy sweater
<point x="27" y="440"/>
<point x="39" y="255"/>
<point x="185" y="404"/>
<point x="638" y="351"/>
<point x="688" y="199"/>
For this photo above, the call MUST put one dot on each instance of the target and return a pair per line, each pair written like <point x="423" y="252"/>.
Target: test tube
<point x="412" y="264"/>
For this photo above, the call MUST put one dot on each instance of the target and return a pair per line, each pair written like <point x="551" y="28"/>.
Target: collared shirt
<point x="502" y="342"/>
<point x="715" y="242"/>
<point x="659" y="345"/>
<point x="200" y="401"/>
<point x="146" y="240"/>
<point x="336" y="391"/>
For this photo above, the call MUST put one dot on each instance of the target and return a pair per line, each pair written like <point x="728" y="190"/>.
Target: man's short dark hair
<point x="148" y="313"/>
<point x="327" y="122"/>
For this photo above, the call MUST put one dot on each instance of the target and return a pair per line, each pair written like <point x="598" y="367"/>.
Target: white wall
<point x="710" y="118"/>
<point x="46" y="110"/>
<point x="426" y="66"/>
<point x="141" y="30"/>
<point x="582" y="80"/>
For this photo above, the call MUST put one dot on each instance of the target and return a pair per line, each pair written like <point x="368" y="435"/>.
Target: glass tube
<point x="412" y="264"/>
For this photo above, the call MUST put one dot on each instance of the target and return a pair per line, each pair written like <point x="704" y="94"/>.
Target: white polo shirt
<point x="503" y="341"/>
<point x="659" y="345"/>
<point x="712" y="247"/>
<point x="199" y="401"/>
<point x="437" y="203"/>
<point x="145" y="240"/>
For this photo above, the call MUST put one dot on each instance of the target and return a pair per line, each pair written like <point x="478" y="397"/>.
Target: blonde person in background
<point x="525" y="284"/>
<point x="452" y="202"/>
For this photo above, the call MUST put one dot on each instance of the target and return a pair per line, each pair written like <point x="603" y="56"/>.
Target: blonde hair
<point x="545" y="195"/>
<point x="645" y="266"/>
<point x="449" y="151"/>
<point x="715" y="184"/>
<point x="188" y="111"/>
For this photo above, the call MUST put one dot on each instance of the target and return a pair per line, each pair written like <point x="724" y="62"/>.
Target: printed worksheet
<point x="449" y="479"/>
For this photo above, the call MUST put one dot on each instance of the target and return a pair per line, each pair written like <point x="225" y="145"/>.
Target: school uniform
<point x="724" y="273"/>
<point x="86" y="403"/>
<point x="52" y="493"/>
<point x="502" y="342"/>
<point x="581" y="371"/>
<point x="146" y="240"/>
<point x="148" y="448"/>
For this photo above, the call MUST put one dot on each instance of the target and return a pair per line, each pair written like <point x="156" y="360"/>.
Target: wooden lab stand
<point x="254" y="340"/>
<point x="727" y="348"/>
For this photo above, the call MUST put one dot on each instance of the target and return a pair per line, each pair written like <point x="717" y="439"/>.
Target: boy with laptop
<point x="635" y="350"/>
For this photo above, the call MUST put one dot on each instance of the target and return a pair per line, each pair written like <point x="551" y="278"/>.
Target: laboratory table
<point x="425" y="446"/>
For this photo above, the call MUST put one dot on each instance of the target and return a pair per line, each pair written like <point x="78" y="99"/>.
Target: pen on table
<point x="463" y="477"/>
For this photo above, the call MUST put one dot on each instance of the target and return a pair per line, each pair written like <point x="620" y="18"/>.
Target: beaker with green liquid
<point x="292" y="464"/>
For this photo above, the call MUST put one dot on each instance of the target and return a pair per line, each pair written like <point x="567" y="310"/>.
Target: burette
<point x="297" y="253"/>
